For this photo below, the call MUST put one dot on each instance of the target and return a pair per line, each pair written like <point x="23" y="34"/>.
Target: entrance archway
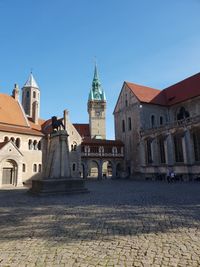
<point x="93" y="169"/>
<point x="107" y="169"/>
<point x="9" y="172"/>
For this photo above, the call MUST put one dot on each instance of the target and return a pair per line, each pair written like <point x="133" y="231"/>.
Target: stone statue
<point x="57" y="124"/>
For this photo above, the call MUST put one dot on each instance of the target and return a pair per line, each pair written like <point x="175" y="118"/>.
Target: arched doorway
<point x="9" y="172"/>
<point x="107" y="169"/>
<point x="93" y="169"/>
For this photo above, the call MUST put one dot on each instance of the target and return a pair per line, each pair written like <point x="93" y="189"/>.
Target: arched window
<point x="152" y="121"/>
<point x="18" y="142"/>
<point x="40" y="168"/>
<point x="182" y="114"/>
<point x="24" y="167"/>
<point x="27" y="94"/>
<point x="39" y="145"/>
<point x="30" y="144"/>
<point x="74" y="167"/>
<point x="6" y="139"/>
<point x="178" y="148"/>
<point x="35" y="144"/>
<point x="34" y="94"/>
<point x="74" y="146"/>
<point x="34" y="167"/>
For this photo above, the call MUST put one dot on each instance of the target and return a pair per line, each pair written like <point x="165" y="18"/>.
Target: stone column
<point x="188" y="148"/>
<point x="170" y="150"/>
<point x="100" y="169"/>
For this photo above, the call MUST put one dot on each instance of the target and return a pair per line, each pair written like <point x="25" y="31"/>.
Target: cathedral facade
<point x="160" y="129"/>
<point x="24" y="138"/>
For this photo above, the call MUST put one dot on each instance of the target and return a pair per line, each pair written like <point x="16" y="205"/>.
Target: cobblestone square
<point x="119" y="223"/>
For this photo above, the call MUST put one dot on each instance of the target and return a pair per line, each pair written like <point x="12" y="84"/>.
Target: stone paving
<point x="119" y="223"/>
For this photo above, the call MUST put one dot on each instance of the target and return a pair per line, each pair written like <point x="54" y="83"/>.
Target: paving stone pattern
<point x="119" y="223"/>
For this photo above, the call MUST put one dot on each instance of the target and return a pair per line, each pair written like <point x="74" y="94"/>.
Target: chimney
<point x="35" y="112"/>
<point x="15" y="92"/>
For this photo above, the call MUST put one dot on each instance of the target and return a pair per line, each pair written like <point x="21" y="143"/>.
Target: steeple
<point x="31" y="82"/>
<point x="97" y="108"/>
<point x="96" y="92"/>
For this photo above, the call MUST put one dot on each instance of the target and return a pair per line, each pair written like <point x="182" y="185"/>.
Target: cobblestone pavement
<point x="119" y="223"/>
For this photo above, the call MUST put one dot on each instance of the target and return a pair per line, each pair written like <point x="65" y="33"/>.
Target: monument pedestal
<point x="57" y="170"/>
<point x="58" y="186"/>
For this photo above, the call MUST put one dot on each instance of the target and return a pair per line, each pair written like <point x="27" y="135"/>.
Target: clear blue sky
<point x="151" y="42"/>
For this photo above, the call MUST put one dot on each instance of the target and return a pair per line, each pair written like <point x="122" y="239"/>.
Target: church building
<point x="24" y="137"/>
<point x="160" y="129"/>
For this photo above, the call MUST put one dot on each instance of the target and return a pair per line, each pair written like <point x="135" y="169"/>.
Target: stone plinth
<point x="57" y="171"/>
<point x="58" y="186"/>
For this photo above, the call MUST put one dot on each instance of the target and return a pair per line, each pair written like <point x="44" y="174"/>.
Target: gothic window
<point x="27" y="94"/>
<point x="30" y="144"/>
<point x="123" y="126"/>
<point x="152" y="121"/>
<point x="178" y="148"/>
<point x="34" y="167"/>
<point x="24" y="167"/>
<point x="34" y="94"/>
<point x="196" y="142"/>
<point x="149" y="151"/>
<point x="18" y="142"/>
<point x="182" y="114"/>
<point x="161" y="120"/>
<point x="74" y="167"/>
<point x="40" y="168"/>
<point x="126" y="102"/>
<point x="129" y="124"/>
<point x="161" y="143"/>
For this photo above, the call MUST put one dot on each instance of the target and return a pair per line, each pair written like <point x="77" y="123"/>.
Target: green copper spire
<point x="96" y="92"/>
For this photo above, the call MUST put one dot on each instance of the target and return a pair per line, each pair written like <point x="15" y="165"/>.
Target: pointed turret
<point x="31" y="82"/>
<point x="31" y="98"/>
<point x="97" y="108"/>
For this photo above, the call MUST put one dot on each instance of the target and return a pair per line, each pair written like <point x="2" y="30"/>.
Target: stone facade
<point x="160" y="137"/>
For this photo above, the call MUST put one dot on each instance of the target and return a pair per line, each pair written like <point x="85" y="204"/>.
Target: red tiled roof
<point x="83" y="129"/>
<point x="102" y="142"/>
<point x="145" y="94"/>
<point x="21" y="130"/>
<point x="183" y="90"/>
<point x="11" y="112"/>
<point x="171" y="95"/>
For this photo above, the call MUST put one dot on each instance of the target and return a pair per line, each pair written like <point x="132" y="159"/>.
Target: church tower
<point x="31" y="98"/>
<point x="97" y="109"/>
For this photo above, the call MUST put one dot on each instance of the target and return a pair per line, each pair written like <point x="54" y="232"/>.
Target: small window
<point x="40" y="168"/>
<point x="161" y="120"/>
<point x="30" y="144"/>
<point x="27" y="94"/>
<point x="74" y="146"/>
<point x="129" y="124"/>
<point x="12" y="139"/>
<point x="126" y="103"/>
<point x="35" y="145"/>
<point x="39" y="145"/>
<point x="123" y="126"/>
<point x="23" y="167"/>
<point x="34" y="167"/>
<point x="152" y="121"/>
<point x="74" y="167"/>
<point x="34" y="94"/>
<point x="18" y="142"/>
<point x="6" y="139"/>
